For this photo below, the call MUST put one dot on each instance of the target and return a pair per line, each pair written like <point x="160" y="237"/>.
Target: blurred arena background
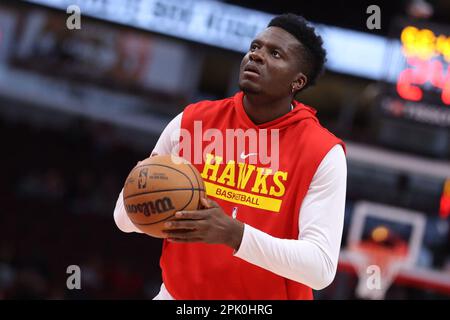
<point x="78" y="109"/>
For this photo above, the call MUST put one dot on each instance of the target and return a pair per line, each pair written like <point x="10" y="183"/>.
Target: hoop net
<point x="377" y="267"/>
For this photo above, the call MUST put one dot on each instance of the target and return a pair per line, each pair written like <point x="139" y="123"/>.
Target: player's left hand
<point x="209" y="225"/>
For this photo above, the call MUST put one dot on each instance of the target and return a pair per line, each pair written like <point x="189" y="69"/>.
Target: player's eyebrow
<point x="268" y="44"/>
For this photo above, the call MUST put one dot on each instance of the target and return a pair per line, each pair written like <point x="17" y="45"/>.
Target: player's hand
<point x="209" y="225"/>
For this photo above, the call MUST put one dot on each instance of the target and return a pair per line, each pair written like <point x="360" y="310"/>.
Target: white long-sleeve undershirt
<point x="313" y="258"/>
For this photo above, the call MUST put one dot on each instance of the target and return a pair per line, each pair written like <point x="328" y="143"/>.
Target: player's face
<point x="271" y="65"/>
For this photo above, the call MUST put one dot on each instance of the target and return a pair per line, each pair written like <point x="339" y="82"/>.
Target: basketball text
<point x="229" y="180"/>
<point x="151" y="207"/>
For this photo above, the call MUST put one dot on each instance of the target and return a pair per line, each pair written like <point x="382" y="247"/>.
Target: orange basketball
<point x="158" y="187"/>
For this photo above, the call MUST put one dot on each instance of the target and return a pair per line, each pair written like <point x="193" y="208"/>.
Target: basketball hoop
<point x="377" y="267"/>
<point x="382" y="241"/>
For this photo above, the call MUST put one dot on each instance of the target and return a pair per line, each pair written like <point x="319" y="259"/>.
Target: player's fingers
<point x="181" y="240"/>
<point x="210" y="203"/>
<point x="206" y="203"/>
<point x="194" y="214"/>
<point x="181" y="224"/>
<point x="183" y="234"/>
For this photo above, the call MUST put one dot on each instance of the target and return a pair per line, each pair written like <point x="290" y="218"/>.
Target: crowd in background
<point x="58" y="191"/>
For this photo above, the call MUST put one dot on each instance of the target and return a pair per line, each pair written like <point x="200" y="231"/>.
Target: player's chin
<point x="249" y="87"/>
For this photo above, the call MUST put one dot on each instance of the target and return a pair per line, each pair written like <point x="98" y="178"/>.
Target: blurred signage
<point x="422" y="112"/>
<point x="209" y="22"/>
<point x="7" y="26"/>
<point x="444" y="209"/>
<point x="114" y="57"/>
<point x="232" y="27"/>
<point x="99" y="53"/>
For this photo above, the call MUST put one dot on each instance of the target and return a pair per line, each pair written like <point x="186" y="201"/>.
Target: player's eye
<point x="253" y="47"/>
<point x="276" y="54"/>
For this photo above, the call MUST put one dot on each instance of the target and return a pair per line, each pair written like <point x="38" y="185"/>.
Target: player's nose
<point x="256" y="57"/>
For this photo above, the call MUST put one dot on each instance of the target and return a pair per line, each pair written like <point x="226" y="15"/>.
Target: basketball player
<point x="261" y="234"/>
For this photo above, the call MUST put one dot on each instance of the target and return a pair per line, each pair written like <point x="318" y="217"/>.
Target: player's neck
<point x="261" y="110"/>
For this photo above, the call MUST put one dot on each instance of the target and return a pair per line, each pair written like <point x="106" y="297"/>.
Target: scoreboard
<point x="417" y="86"/>
<point x="413" y="106"/>
<point x="427" y="65"/>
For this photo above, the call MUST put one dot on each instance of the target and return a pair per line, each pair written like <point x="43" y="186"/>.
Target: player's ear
<point x="299" y="82"/>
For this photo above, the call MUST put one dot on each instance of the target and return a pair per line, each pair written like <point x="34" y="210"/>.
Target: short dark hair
<point x="314" y="55"/>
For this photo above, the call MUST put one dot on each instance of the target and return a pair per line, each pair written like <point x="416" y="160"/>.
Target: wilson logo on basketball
<point x="151" y="207"/>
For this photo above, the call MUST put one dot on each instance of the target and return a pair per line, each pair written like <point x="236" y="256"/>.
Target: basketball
<point x="157" y="188"/>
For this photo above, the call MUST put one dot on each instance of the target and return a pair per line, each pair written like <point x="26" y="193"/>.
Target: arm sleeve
<point x="313" y="258"/>
<point x="167" y="143"/>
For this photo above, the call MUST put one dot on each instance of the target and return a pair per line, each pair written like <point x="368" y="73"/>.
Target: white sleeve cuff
<point x="246" y="241"/>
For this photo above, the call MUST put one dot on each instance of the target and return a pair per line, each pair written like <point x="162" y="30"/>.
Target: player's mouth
<point x="251" y="70"/>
